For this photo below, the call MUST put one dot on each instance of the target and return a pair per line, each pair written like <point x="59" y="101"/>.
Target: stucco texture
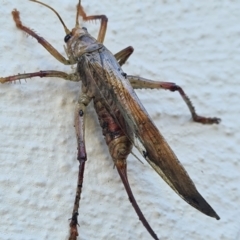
<point x="195" y="44"/>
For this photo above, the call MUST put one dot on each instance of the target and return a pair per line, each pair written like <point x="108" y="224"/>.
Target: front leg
<point x="102" y="18"/>
<point x="41" y="40"/>
<point x="82" y="158"/>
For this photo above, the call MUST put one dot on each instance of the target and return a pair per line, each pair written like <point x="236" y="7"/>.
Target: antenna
<point x="65" y="28"/>
<point x="78" y="13"/>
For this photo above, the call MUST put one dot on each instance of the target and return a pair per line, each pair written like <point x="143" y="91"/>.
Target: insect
<point x="123" y="119"/>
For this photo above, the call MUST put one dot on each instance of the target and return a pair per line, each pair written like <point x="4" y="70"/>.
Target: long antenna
<point x="65" y="28"/>
<point x="78" y="10"/>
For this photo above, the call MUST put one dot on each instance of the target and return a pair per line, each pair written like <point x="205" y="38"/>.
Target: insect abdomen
<point x="118" y="143"/>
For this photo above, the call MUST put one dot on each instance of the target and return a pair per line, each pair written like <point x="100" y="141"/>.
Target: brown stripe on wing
<point x="119" y="94"/>
<point x="161" y="157"/>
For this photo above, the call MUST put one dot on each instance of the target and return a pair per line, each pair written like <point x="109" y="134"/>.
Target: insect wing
<point x="119" y="94"/>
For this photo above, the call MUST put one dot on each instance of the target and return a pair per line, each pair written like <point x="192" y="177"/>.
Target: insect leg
<point x="42" y="41"/>
<point x="139" y="83"/>
<point x="121" y="166"/>
<point x="82" y="158"/>
<point x="103" y="26"/>
<point x="49" y="73"/>
<point x="123" y="55"/>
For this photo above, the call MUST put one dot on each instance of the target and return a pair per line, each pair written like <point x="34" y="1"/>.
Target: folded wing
<point x="120" y="96"/>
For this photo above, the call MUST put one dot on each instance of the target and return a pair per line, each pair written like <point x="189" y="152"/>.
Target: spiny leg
<point x="49" y="73"/>
<point x="121" y="166"/>
<point x="103" y="26"/>
<point x="82" y="158"/>
<point x="41" y="40"/>
<point x="139" y="83"/>
<point x="123" y="55"/>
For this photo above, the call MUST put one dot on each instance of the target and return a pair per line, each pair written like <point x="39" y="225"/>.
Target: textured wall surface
<point x="196" y="45"/>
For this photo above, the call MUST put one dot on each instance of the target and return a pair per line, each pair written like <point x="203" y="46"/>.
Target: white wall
<point x="196" y="45"/>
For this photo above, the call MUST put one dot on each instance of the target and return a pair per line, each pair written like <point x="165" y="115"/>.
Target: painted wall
<point x="195" y="44"/>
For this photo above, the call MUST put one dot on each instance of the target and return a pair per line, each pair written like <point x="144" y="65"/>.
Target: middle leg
<point x="123" y="55"/>
<point x="49" y="73"/>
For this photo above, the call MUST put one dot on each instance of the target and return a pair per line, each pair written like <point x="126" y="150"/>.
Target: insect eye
<point x="84" y="28"/>
<point x="67" y="37"/>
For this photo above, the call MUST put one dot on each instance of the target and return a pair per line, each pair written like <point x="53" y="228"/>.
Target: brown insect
<point x="123" y="119"/>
